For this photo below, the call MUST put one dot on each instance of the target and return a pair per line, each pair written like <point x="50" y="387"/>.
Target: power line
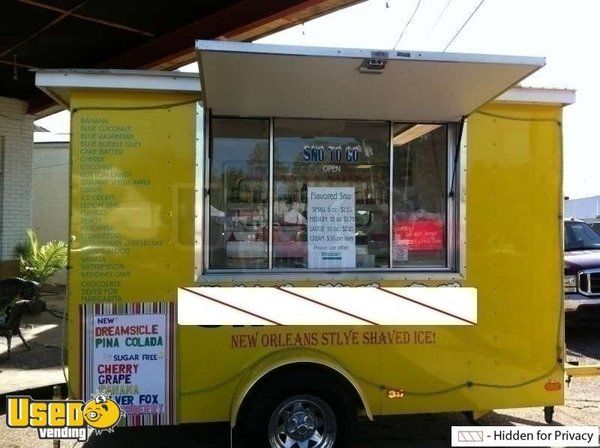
<point x="463" y="25"/>
<point x="407" y="23"/>
<point x="438" y="18"/>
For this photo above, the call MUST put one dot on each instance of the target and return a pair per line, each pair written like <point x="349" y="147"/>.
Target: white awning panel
<point x="327" y="306"/>
<point x="244" y="79"/>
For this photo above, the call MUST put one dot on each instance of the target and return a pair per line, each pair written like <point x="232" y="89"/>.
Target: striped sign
<point x="327" y="306"/>
<point x="128" y="353"/>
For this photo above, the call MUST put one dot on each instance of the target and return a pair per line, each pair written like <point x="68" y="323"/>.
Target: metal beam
<point x="88" y="18"/>
<point x="245" y="20"/>
<point x="235" y="22"/>
<point x="308" y="10"/>
<point x="42" y="29"/>
<point x="17" y="64"/>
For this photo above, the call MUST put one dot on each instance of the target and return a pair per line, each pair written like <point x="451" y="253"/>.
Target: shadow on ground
<point x="583" y="342"/>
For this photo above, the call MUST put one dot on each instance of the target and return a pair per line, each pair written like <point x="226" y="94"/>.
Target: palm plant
<point x="40" y="262"/>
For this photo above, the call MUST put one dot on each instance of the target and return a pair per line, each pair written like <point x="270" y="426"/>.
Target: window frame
<point x="454" y="232"/>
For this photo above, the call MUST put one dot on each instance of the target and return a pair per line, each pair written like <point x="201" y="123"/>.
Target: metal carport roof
<point x="130" y="34"/>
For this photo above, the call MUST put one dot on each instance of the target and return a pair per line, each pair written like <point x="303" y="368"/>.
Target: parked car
<point x="582" y="274"/>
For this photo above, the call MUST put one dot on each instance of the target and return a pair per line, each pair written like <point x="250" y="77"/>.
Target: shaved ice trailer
<point x="298" y="237"/>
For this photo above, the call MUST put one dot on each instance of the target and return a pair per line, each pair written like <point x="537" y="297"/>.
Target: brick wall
<point x="16" y="131"/>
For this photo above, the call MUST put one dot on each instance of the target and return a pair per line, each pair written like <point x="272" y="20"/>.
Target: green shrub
<point x="40" y="263"/>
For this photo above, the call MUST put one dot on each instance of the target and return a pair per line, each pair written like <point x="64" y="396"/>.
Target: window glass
<point x="239" y="193"/>
<point x="331" y="194"/>
<point x="580" y="236"/>
<point x="420" y="195"/>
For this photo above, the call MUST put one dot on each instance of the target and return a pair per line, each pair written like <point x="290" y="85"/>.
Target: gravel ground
<point x="582" y="407"/>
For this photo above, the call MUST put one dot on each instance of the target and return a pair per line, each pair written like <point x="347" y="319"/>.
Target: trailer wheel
<point x="303" y="420"/>
<point x="311" y="412"/>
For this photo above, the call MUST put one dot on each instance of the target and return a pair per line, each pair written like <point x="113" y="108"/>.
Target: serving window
<point x="328" y="195"/>
<point x="239" y="194"/>
<point x="420" y="195"/>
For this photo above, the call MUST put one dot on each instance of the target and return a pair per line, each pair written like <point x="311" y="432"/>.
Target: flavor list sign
<point x="132" y="195"/>
<point x="331" y="227"/>
<point x="108" y="148"/>
<point x="129" y="354"/>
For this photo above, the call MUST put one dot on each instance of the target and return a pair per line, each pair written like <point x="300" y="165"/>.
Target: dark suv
<point x="582" y="274"/>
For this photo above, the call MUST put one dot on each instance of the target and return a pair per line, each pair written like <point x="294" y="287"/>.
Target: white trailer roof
<point x="245" y="79"/>
<point x="538" y="95"/>
<point x="58" y="83"/>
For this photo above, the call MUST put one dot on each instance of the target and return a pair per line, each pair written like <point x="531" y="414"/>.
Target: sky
<point x="563" y="31"/>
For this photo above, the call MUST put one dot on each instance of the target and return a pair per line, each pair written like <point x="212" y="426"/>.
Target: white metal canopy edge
<point x="58" y="84"/>
<point x="361" y="53"/>
<point x="538" y="95"/>
<point x="243" y="79"/>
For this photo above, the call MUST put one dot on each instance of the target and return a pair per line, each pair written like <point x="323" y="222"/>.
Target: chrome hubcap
<point x="302" y="421"/>
<point x="301" y="425"/>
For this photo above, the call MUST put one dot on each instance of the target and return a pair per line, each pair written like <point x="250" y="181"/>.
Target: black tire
<point x="261" y="408"/>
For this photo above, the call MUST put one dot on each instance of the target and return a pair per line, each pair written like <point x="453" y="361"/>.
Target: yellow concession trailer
<point x="297" y="237"/>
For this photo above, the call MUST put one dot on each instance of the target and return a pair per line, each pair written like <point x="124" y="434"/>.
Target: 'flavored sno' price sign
<point x="331" y="227"/>
<point x="129" y="354"/>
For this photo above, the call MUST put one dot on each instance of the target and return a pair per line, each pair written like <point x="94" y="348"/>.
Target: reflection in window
<point x="419" y="195"/>
<point x="580" y="236"/>
<point x="239" y="193"/>
<point x="331" y="194"/>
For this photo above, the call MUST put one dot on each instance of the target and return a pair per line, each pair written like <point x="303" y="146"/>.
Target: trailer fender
<point x="277" y="360"/>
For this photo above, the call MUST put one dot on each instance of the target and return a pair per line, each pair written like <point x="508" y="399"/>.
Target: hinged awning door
<point x="244" y="79"/>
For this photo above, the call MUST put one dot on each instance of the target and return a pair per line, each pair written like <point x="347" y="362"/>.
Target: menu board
<point x="331" y="227"/>
<point x="105" y="143"/>
<point x="132" y="197"/>
<point x="129" y="355"/>
<point x="131" y="243"/>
